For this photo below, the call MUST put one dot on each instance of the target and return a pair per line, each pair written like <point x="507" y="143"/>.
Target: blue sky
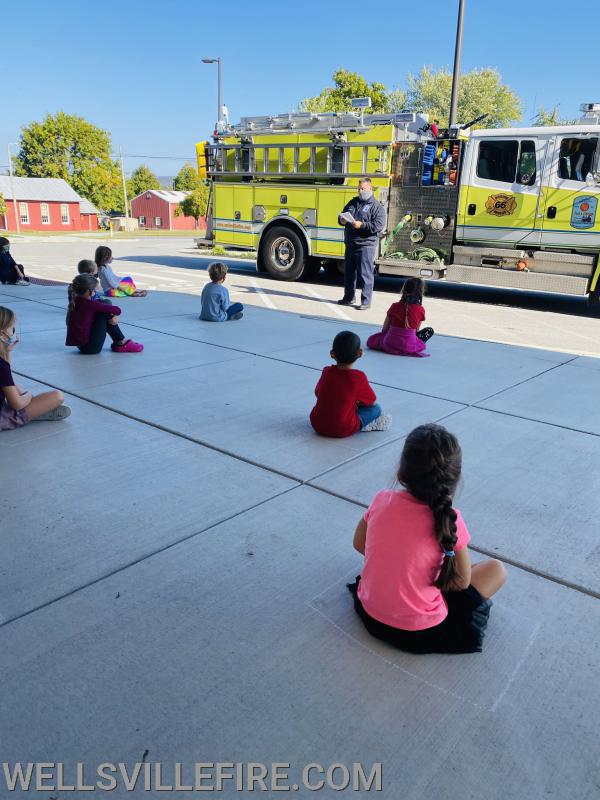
<point x="134" y="68"/>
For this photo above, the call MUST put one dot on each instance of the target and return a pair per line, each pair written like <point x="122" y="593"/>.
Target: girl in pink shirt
<point x="402" y="334"/>
<point x="418" y="589"/>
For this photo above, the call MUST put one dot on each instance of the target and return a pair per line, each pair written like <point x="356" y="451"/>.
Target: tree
<point x="347" y="85"/>
<point x="396" y="100"/>
<point x="195" y="204"/>
<point x="548" y="118"/>
<point x="141" y="180"/>
<point x="69" y="147"/>
<point x="481" y="92"/>
<point x="2" y="205"/>
<point x="187" y="179"/>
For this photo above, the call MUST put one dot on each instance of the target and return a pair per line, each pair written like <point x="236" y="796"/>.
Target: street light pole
<point x="456" y="72"/>
<point x="216" y="61"/>
<point x="219" y="89"/>
<point x="12" y="188"/>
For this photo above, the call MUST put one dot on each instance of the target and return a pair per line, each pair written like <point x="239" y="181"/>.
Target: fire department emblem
<point x="500" y="205"/>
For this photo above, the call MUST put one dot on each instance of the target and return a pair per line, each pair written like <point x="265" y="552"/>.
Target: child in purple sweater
<point x="89" y="321"/>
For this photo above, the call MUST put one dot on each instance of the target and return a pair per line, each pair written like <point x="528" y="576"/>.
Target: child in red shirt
<point x="345" y="401"/>
<point x="400" y="334"/>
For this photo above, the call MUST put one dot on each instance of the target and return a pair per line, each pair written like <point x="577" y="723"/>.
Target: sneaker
<point x="382" y="423"/>
<point x="344" y="302"/>
<point x="129" y="346"/>
<point x="62" y="412"/>
<point x="22" y="282"/>
<point x="239" y="315"/>
<point x="363" y="307"/>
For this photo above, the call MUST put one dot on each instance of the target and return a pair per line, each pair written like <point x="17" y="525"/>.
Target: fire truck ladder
<point x="289" y="160"/>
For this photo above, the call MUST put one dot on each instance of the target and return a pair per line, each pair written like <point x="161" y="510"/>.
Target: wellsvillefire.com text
<point x="195" y="777"/>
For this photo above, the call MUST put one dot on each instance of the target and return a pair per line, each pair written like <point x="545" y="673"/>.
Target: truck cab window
<point x="576" y="158"/>
<point x="497" y="160"/>
<point x="526" y="173"/>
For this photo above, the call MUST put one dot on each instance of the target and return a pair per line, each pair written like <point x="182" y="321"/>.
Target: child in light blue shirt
<point x="215" y="297"/>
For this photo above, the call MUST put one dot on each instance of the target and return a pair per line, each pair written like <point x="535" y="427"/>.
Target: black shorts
<point x="461" y="632"/>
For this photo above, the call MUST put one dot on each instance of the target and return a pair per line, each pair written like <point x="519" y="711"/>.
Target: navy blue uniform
<point x="361" y="245"/>
<point x="8" y="270"/>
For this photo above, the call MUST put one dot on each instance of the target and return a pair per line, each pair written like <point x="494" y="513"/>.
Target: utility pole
<point x="124" y="184"/>
<point x="456" y="72"/>
<point x="12" y="189"/>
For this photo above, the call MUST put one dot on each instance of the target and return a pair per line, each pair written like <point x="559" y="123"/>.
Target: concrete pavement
<point x="175" y="558"/>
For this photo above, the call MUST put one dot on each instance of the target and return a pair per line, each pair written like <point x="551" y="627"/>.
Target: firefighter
<point x="360" y="237"/>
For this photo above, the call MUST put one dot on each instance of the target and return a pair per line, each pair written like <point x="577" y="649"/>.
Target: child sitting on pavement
<point x="10" y="271"/>
<point x="89" y="321"/>
<point x="418" y="590"/>
<point x="345" y="400"/>
<point x="112" y="285"/>
<point x="88" y="267"/>
<point x="18" y="407"/>
<point x="215" y="297"/>
<point x="400" y="334"/>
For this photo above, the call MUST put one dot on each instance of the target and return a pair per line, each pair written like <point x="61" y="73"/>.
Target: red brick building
<point x="45" y="204"/>
<point x="155" y="209"/>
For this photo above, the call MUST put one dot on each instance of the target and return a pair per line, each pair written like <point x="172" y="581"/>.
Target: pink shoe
<point x="129" y="347"/>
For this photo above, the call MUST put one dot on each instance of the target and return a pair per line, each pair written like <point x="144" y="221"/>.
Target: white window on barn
<point x="158" y="221"/>
<point x="45" y="212"/>
<point x="24" y="213"/>
<point x="64" y="213"/>
<point x="142" y="220"/>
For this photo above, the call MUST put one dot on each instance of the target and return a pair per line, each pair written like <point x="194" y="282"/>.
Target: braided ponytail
<point x="430" y="469"/>
<point x="412" y="292"/>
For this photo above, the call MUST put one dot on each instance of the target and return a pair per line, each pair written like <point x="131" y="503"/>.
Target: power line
<point x="171" y="158"/>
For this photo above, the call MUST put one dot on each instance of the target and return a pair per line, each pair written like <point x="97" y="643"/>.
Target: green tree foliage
<point x="195" y="205"/>
<point x="346" y="86"/>
<point x="549" y="118"/>
<point x="141" y="180"/>
<point x="481" y="91"/>
<point x="69" y="147"/>
<point x="187" y="179"/>
<point x="396" y="100"/>
<point x="2" y="205"/>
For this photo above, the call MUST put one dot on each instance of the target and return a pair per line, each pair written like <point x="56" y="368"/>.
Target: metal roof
<point x="171" y="196"/>
<point x="85" y="207"/>
<point x="35" y="189"/>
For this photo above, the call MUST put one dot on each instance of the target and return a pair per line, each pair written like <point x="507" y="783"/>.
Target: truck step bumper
<point x="512" y="279"/>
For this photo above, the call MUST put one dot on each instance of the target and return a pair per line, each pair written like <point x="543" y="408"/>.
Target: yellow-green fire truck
<point x="509" y="207"/>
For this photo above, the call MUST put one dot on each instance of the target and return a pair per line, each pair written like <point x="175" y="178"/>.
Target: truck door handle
<point x="551" y="212"/>
<point x="471" y="209"/>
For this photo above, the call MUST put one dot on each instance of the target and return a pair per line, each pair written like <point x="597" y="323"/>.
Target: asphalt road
<point x="515" y="317"/>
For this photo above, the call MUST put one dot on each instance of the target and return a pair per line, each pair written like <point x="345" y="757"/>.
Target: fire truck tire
<point x="283" y="254"/>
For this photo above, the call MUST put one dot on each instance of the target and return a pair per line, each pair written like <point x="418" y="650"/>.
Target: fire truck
<point x="507" y="207"/>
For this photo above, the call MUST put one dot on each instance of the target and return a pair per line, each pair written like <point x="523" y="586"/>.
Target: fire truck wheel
<point x="283" y="254"/>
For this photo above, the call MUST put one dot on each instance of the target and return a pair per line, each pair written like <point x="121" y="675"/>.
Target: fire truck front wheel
<point x="283" y="254"/>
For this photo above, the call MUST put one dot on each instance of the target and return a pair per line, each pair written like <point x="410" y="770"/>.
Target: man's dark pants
<point x="358" y="271"/>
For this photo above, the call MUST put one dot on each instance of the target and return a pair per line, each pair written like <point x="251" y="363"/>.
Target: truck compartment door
<point x="571" y="213"/>
<point x="502" y="191"/>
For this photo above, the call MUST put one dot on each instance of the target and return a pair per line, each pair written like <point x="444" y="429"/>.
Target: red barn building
<point x="155" y="209"/>
<point x="45" y="204"/>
